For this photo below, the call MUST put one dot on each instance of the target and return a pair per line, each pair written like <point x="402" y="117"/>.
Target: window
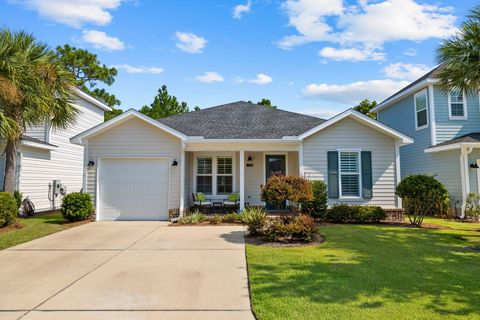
<point x="224" y="175"/>
<point x="204" y="175"/>
<point x="214" y="175"/>
<point x="421" y="115"/>
<point x="456" y="105"/>
<point x="349" y="174"/>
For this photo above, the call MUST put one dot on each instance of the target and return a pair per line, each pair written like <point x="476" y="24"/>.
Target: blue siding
<point x="445" y="166"/>
<point x="448" y="129"/>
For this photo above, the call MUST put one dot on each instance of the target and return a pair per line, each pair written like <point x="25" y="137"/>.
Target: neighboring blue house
<point x="446" y="132"/>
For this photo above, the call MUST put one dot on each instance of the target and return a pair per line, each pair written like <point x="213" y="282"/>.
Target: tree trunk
<point x="10" y="166"/>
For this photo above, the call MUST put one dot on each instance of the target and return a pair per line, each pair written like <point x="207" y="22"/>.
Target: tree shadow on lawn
<point x="429" y="268"/>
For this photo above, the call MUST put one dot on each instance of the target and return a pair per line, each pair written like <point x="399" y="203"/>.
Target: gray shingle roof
<point x="241" y="120"/>
<point x="470" y="137"/>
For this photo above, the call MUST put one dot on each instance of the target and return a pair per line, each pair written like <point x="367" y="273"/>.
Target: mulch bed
<point x="13" y="227"/>
<point x="259" y="241"/>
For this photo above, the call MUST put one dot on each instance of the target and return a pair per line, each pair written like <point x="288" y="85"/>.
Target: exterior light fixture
<point x="474" y="165"/>
<point x="174" y="163"/>
<point x="249" y="158"/>
<point x="91" y="163"/>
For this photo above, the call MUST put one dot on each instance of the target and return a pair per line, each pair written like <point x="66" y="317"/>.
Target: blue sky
<point x="311" y="56"/>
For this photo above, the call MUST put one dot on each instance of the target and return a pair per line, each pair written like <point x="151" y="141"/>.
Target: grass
<point x="371" y="272"/>
<point x="33" y="228"/>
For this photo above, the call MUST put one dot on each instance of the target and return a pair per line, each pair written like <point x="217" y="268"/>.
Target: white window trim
<point x="465" y="113"/>
<point x="360" y="187"/>
<point x="214" y="172"/>
<point x="424" y="91"/>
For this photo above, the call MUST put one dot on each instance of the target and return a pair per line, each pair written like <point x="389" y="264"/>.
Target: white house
<point x="46" y="155"/>
<point x="143" y="169"/>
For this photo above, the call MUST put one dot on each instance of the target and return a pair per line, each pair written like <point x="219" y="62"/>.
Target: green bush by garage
<point x="8" y="209"/>
<point x="77" y="206"/>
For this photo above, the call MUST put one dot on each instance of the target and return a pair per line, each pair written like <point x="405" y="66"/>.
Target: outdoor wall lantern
<point x="174" y="163"/>
<point x="474" y="165"/>
<point x="91" y="163"/>
<point x="249" y="158"/>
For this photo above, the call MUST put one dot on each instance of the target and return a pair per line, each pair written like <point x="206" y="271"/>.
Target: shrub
<point x="280" y="188"/>
<point x="18" y="198"/>
<point x="421" y="194"/>
<point x="300" y="228"/>
<point x="255" y="218"/>
<point x="317" y="207"/>
<point x="356" y="214"/>
<point x="232" y="218"/>
<point x="193" y="218"/>
<point x="472" y="206"/>
<point x="215" y="219"/>
<point x="77" y="206"/>
<point x="8" y="209"/>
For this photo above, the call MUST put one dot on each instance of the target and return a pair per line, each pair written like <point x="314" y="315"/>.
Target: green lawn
<point x="371" y="272"/>
<point x="34" y="227"/>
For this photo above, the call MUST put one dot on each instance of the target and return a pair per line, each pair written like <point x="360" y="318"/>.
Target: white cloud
<point x="140" y="69"/>
<point x="352" y="93"/>
<point x="320" y="113"/>
<point x="309" y="18"/>
<point x="411" y="52"/>
<point x="368" y="25"/>
<point x="240" y="9"/>
<point x="392" y="20"/>
<point x="209" y="77"/>
<point x="405" y="71"/>
<point x="74" y="13"/>
<point x="189" y="42"/>
<point x="261" y="79"/>
<point x="100" y="40"/>
<point x="351" y="54"/>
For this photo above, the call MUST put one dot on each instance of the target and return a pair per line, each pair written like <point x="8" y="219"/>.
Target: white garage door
<point x="133" y="189"/>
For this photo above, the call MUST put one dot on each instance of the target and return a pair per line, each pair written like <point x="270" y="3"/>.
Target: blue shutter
<point x="333" y="191"/>
<point x="367" y="175"/>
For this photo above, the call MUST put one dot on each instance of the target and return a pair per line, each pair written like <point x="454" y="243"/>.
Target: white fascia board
<point x="404" y="139"/>
<point x="91" y="99"/>
<point x="82" y="137"/>
<point x="396" y="97"/>
<point x="193" y="140"/>
<point x="37" y="145"/>
<point x="452" y="146"/>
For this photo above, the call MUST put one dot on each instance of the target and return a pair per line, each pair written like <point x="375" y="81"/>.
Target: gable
<point x="349" y="133"/>
<point x="134" y="130"/>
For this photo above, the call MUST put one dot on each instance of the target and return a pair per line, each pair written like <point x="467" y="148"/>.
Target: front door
<point x="275" y="164"/>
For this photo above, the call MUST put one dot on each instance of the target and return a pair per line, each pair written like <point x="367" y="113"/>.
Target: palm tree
<point x="34" y="89"/>
<point x="459" y="57"/>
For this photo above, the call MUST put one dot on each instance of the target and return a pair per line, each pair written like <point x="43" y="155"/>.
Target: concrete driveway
<point x="127" y="270"/>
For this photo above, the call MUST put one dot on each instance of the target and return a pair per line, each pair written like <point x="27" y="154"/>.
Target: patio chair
<point x="201" y="203"/>
<point x="232" y="202"/>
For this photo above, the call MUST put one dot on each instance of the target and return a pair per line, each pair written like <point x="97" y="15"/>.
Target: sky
<point x="317" y="57"/>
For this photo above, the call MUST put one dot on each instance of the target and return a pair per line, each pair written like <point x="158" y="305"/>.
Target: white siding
<point x="254" y="177"/>
<point x="349" y="133"/>
<point x="39" y="167"/>
<point x="136" y="138"/>
<point x="37" y="132"/>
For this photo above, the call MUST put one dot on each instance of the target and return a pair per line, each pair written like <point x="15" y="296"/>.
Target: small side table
<point x="217" y="207"/>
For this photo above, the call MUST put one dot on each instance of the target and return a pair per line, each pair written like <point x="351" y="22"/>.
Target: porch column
<point x="398" y="176"/>
<point x="300" y="160"/>
<point x="242" y="180"/>
<point x="464" y="175"/>
<point x="182" y="179"/>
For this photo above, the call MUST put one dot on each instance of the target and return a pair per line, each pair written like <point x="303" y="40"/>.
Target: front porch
<point x="218" y="174"/>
